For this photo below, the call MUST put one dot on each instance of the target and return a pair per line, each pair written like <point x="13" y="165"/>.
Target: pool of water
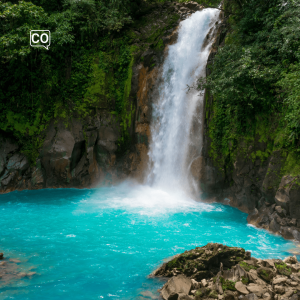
<point x="102" y="243"/>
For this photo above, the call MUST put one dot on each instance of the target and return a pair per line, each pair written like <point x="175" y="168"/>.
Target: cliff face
<point x="88" y="151"/>
<point x="261" y="180"/>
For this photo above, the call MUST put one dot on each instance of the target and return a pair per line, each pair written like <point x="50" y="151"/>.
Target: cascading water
<point x="173" y="146"/>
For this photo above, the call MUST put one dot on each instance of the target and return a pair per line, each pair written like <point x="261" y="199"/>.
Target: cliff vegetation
<point x="255" y="83"/>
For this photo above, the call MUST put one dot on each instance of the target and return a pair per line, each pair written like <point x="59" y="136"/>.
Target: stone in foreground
<point x="216" y="271"/>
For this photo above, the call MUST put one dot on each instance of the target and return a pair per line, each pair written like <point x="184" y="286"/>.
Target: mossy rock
<point x="265" y="273"/>
<point x="283" y="269"/>
<point x="246" y="266"/>
<point x="227" y="284"/>
<point x="203" y="293"/>
<point x="213" y="294"/>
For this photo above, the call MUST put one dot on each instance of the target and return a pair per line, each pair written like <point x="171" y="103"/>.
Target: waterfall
<point x="176" y="127"/>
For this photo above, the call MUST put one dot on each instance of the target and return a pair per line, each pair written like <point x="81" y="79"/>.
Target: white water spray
<point x="173" y="140"/>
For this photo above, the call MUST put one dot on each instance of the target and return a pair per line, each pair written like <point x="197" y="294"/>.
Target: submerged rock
<point x="216" y="271"/>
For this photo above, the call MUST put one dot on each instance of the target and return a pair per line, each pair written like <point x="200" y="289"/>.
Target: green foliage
<point x="172" y="264"/>
<point x="227" y="284"/>
<point x="37" y="85"/>
<point x="283" y="269"/>
<point x="255" y="76"/>
<point x="245" y="280"/>
<point x="246" y="266"/>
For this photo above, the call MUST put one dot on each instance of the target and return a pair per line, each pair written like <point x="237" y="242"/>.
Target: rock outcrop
<point x="216" y="271"/>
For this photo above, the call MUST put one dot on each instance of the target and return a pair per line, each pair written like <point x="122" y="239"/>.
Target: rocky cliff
<point x="260" y="179"/>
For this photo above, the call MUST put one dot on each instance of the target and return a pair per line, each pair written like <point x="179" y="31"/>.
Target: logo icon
<point x="40" y="38"/>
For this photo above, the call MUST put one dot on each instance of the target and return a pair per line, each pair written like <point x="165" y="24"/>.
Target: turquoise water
<point x="102" y="243"/>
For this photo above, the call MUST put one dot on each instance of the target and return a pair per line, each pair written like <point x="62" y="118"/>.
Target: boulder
<point x="251" y="296"/>
<point x="279" y="289"/>
<point x="1" y="255"/>
<point x="229" y="295"/>
<point x="290" y="260"/>
<point x="274" y="226"/>
<point x="280" y="211"/>
<point x="204" y="283"/>
<point x="287" y="232"/>
<point x="179" y="296"/>
<point x="257" y="289"/>
<point x="240" y="287"/>
<point x="279" y="279"/>
<point x="268" y="263"/>
<point x="177" y="284"/>
<point x="265" y="273"/>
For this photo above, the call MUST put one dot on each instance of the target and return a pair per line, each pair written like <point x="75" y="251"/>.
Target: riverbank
<point x="216" y="271"/>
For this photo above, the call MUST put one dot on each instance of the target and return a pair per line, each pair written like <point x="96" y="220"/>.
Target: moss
<point x="245" y="280"/>
<point x="172" y="264"/>
<point x="246" y="266"/>
<point x="227" y="284"/>
<point x="283" y="269"/>
<point x="292" y="166"/>
<point x="213" y="294"/>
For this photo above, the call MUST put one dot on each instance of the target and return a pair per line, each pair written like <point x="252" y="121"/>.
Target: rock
<point x="281" y="211"/>
<point x="251" y="296"/>
<point x="177" y="284"/>
<point x="204" y="283"/>
<point x="195" y="285"/>
<point x="229" y="295"/>
<point x="268" y="263"/>
<point x="292" y="222"/>
<point x="283" y="269"/>
<point x="193" y="292"/>
<point x="279" y="279"/>
<point x="257" y="289"/>
<point x="294" y="283"/>
<point x="14" y="260"/>
<point x="252" y="275"/>
<point x="31" y="274"/>
<point x="267" y="296"/>
<point x="290" y="260"/>
<point x="1" y="255"/>
<point x="240" y="287"/>
<point x="274" y="226"/>
<point x="179" y="296"/>
<point x="287" y="232"/>
<point x="265" y="273"/>
<point x="279" y="289"/>
<point x="294" y="297"/>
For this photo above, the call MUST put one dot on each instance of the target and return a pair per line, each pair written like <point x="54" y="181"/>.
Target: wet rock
<point x="1" y="255"/>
